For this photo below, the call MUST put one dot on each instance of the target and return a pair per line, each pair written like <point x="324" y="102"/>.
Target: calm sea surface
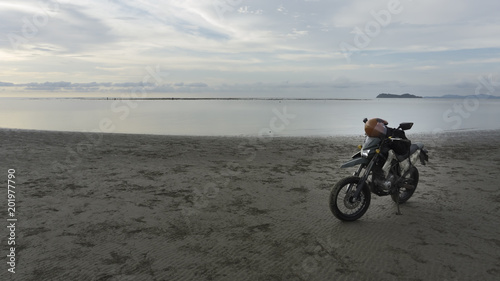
<point x="245" y="117"/>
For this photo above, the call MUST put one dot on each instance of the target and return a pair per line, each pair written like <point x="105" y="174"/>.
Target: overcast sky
<point x="306" y="48"/>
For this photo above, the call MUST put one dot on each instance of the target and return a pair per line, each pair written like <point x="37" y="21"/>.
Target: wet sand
<point x="142" y="207"/>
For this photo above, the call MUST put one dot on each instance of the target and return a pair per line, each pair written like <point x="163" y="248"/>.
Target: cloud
<point x="247" y="10"/>
<point x="342" y="87"/>
<point x="207" y="44"/>
<point x="426" y="67"/>
<point x="77" y="87"/>
<point x="197" y="84"/>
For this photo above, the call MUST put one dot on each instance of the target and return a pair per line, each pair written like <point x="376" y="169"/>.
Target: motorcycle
<point x="386" y="167"/>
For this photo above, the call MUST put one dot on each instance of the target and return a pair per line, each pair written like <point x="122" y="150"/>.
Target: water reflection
<point x="242" y="117"/>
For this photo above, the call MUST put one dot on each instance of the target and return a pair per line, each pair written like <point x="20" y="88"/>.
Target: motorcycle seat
<point x="414" y="147"/>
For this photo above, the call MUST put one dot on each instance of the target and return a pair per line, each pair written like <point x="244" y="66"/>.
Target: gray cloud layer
<point x="423" y="47"/>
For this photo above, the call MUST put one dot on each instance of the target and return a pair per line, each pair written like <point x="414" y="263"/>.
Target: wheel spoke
<point x="344" y="201"/>
<point x="342" y="204"/>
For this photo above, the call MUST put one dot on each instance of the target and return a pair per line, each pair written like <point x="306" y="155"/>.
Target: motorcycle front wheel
<point x="342" y="203"/>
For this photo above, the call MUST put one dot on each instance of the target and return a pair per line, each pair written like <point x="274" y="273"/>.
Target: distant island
<point x="403" y="96"/>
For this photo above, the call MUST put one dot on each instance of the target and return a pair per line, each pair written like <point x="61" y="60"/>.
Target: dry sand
<point x="135" y="207"/>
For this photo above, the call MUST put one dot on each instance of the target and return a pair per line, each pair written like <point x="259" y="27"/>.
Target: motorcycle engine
<point x="381" y="183"/>
<point x="385" y="184"/>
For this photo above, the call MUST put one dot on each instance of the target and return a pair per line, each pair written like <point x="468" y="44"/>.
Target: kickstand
<point x="397" y="202"/>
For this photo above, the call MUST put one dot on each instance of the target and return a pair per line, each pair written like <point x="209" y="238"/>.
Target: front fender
<point x="355" y="161"/>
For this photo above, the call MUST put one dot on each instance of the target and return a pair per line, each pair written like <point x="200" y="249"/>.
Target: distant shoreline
<point x="456" y="133"/>
<point x="446" y="97"/>
<point x="172" y="98"/>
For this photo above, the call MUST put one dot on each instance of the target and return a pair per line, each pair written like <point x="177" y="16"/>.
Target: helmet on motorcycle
<point x="376" y="127"/>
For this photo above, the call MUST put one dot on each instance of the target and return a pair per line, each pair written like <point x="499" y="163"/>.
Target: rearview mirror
<point x="405" y="126"/>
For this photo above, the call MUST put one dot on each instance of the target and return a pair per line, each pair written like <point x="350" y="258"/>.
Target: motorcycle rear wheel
<point x="343" y="205"/>
<point x="406" y="193"/>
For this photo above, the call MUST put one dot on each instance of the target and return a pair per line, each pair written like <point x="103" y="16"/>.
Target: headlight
<point x="364" y="153"/>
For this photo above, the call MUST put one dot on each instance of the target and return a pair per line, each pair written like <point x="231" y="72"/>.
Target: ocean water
<point x="245" y="117"/>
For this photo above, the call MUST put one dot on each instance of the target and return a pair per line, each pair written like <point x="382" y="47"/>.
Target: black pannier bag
<point x="400" y="147"/>
<point x="396" y="133"/>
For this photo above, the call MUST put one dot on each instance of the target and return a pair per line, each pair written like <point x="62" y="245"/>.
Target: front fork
<point x="356" y="174"/>
<point x="362" y="181"/>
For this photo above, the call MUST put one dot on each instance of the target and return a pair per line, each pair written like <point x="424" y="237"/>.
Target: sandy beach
<point x="144" y="207"/>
